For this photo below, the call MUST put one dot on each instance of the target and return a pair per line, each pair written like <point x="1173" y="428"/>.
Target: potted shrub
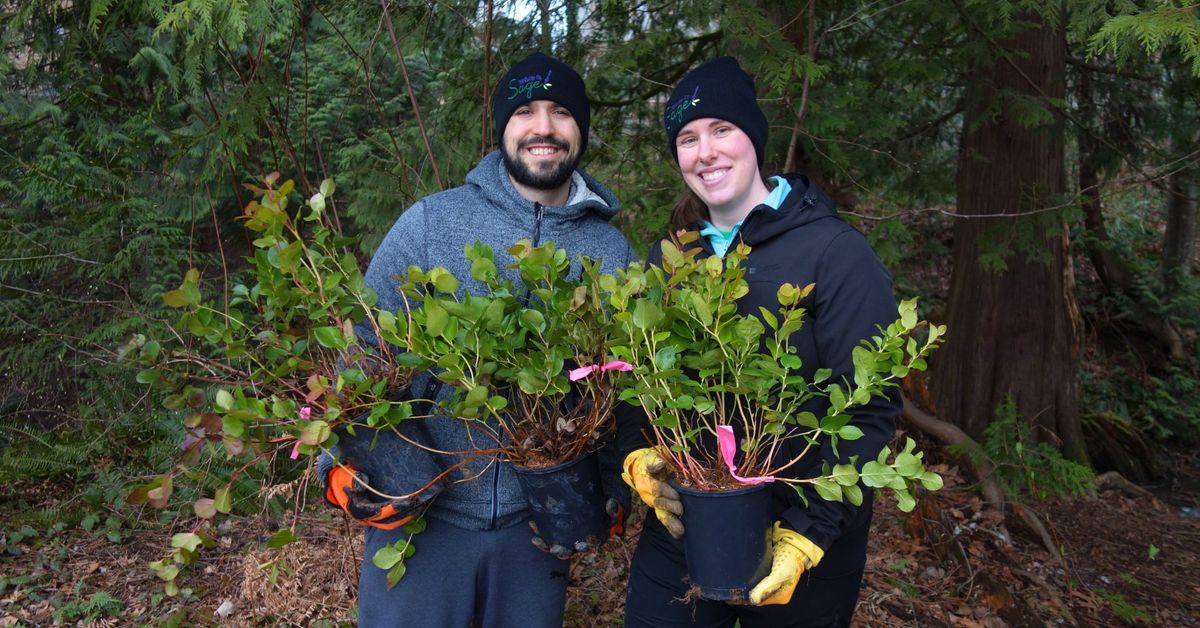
<point x="271" y="369"/>
<point x="529" y="365"/>
<point x="721" y="389"/>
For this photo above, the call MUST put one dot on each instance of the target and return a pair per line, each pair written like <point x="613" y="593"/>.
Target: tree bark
<point x="545" y="36"/>
<point x="1179" y="239"/>
<point x="1010" y="326"/>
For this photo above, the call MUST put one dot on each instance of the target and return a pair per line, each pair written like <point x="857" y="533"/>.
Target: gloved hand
<point x="792" y="553"/>
<point x="345" y="488"/>
<point x="646" y="472"/>
<point x="616" y="513"/>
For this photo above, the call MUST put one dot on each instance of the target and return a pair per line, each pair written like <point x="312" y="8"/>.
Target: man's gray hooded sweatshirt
<point x="433" y="232"/>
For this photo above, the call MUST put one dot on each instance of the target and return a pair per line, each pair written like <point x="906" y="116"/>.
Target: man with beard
<point x="475" y="563"/>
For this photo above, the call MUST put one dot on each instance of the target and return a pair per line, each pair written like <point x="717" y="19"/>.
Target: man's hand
<point x="346" y="488"/>
<point x="616" y="513"/>
<point x="792" y="553"/>
<point x="646" y="472"/>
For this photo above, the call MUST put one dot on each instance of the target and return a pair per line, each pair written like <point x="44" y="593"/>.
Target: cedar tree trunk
<point x="1011" y="327"/>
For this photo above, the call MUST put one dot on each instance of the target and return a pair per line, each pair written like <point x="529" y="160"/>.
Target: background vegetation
<point x="1029" y="169"/>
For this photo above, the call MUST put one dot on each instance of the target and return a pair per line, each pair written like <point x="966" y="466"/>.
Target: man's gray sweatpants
<point x="459" y="578"/>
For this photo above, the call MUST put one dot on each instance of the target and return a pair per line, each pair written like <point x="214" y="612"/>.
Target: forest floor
<point x="1126" y="560"/>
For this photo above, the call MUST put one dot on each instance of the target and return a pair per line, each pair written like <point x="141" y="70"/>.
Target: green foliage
<point x="1123" y="608"/>
<point x="1161" y="404"/>
<point x="271" y="365"/>
<point x="508" y="352"/>
<point x="100" y="604"/>
<point x="701" y="368"/>
<point x="1150" y="30"/>
<point x="1024" y="464"/>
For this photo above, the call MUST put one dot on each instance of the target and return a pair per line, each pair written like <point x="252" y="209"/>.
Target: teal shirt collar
<point x="720" y="243"/>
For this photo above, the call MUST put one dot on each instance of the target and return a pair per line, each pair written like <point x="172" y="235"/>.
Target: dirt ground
<point x="1125" y="560"/>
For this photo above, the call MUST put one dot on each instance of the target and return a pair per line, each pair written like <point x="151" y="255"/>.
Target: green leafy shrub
<point x="703" y="371"/>
<point x="1024" y="464"/>
<point x="531" y="362"/>
<point x="262" y="375"/>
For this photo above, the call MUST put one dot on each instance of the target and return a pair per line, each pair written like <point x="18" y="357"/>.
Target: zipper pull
<point x="538" y="210"/>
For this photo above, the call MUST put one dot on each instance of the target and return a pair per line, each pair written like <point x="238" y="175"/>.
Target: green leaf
<point x="232" y="426"/>
<point x="853" y="494"/>
<point x="186" y="540"/>
<point x="330" y="337"/>
<point x="175" y="298"/>
<point x="388" y="556"/>
<point x="930" y="480"/>
<point x="806" y="419"/>
<point x="904" y="501"/>
<point x="845" y="474"/>
<point x="877" y="475"/>
<point x="908" y="465"/>
<point x="395" y="574"/>
<point x="281" y="538"/>
<point x="664" y="359"/>
<point x="416" y="526"/>
<point x="222" y="500"/>
<point x="327" y="187"/>
<point x="224" y="399"/>
<point x="147" y="376"/>
<point x="850" y="432"/>
<point x="646" y="314"/>
<point x="436" y="318"/>
<point x="315" y="433"/>
<point x="908" y="313"/>
<point x="204" y="508"/>
<point x="828" y="489"/>
<point x="666" y="420"/>
<point x="443" y="280"/>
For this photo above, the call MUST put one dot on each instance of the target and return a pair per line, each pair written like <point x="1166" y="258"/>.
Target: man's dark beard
<point x="540" y="180"/>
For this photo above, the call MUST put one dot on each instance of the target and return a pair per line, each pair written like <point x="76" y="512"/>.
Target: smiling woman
<point x="717" y="134"/>
<point x="718" y="163"/>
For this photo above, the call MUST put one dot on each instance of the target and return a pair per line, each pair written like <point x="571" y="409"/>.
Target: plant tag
<point x="728" y="445"/>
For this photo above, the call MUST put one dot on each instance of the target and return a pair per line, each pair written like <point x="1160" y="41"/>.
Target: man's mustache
<point x="557" y="143"/>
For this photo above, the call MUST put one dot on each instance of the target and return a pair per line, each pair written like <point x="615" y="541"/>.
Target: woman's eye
<point x="686" y="141"/>
<point x="722" y="130"/>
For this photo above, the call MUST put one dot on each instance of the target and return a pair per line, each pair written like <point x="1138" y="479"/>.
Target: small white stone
<point x="225" y="609"/>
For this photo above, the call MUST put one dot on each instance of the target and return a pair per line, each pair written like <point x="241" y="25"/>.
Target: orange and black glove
<point x="345" y="488"/>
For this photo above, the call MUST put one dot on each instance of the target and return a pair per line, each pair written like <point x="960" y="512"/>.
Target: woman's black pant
<point x="825" y="596"/>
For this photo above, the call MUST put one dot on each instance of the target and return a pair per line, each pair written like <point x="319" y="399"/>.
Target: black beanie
<point x="716" y="89"/>
<point x="540" y="77"/>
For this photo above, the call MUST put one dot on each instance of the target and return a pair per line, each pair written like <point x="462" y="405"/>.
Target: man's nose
<point x="542" y="124"/>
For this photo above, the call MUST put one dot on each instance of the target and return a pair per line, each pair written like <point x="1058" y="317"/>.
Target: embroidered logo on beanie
<point x="524" y="86"/>
<point x="676" y="109"/>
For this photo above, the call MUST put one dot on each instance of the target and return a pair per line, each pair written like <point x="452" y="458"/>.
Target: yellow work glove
<point x="646" y="472"/>
<point x="791" y="553"/>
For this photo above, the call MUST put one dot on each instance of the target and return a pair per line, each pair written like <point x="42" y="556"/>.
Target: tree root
<point x="981" y="468"/>
<point x="1116" y="481"/>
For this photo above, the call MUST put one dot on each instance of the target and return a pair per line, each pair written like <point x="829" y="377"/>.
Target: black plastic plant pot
<point x="725" y="540"/>
<point x="566" y="502"/>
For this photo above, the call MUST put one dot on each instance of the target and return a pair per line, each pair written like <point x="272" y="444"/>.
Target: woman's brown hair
<point x="687" y="211"/>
